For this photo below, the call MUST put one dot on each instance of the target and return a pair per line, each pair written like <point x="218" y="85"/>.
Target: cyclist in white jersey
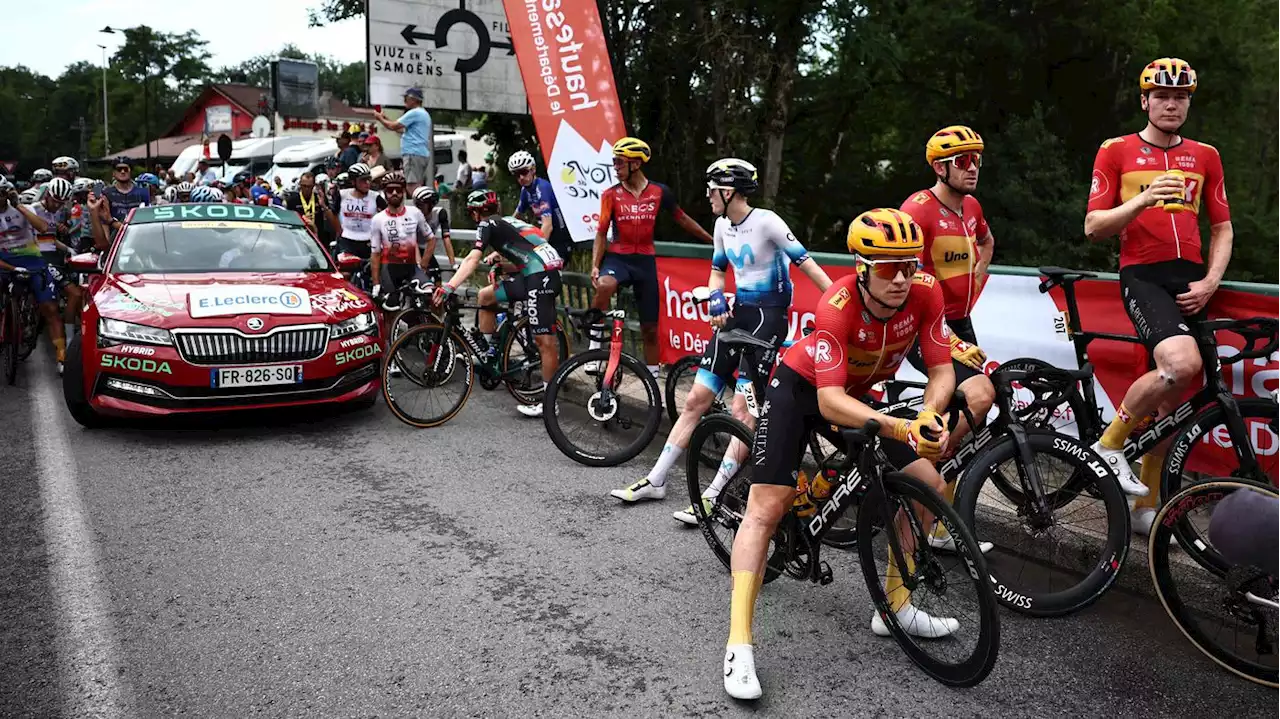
<point x="425" y="199"/>
<point x="354" y="220"/>
<point x="397" y="233"/>
<point x="759" y="245"/>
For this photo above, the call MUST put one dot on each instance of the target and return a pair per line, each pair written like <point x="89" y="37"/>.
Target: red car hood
<point x="212" y="299"/>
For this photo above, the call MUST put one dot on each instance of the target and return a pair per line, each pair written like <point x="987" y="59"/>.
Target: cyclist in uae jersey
<point x="356" y="208"/>
<point x="630" y="210"/>
<point x="1150" y="188"/>
<point x="864" y="324"/>
<point x="761" y="247"/>
<point x="536" y="282"/>
<point x="20" y="253"/>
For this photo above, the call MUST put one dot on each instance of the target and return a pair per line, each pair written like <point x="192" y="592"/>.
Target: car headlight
<point x="361" y="323"/>
<point x="121" y="331"/>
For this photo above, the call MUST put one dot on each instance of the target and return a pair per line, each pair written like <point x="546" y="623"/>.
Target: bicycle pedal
<point x="824" y="574"/>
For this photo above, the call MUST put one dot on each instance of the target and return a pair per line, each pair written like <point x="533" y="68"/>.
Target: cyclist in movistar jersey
<point x="760" y="247"/>
<point x="1150" y="188"/>
<point x="536" y="280"/>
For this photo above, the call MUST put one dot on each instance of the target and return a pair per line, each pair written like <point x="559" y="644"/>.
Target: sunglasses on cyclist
<point x="525" y="171"/>
<point x="965" y="161"/>
<point x="889" y="269"/>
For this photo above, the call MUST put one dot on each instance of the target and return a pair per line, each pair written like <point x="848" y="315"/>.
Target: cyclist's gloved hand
<point x="966" y="354"/>
<point x="377" y="290"/>
<point x="924" y="434"/>
<point x="22" y="272"/>
<point x="717" y="305"/>
<point x="441" y="292"/>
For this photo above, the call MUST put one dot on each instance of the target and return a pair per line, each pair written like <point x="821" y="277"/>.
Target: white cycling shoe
<point x="1120" y="466"/>
<point x="530" y="410"/>
<point x="689" y="514"/>
<point x="640" y="490"/>
<point x="917" y="623"/>
<point x="740" y="672"/>
<point x="948" y="544"/>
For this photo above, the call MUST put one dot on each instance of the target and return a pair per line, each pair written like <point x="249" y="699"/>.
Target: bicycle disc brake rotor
<point x="603" y="405"/>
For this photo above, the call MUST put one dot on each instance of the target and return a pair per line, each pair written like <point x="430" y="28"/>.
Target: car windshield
<point x="218" y="247"/>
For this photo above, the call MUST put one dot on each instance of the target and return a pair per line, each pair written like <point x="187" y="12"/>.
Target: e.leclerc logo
<point x="248" y="299"/>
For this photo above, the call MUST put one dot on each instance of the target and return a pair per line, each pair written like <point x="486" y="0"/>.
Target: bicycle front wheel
<point x="602" y="421"/>
<point x="1224" y="614"/>
<point x="31" y="323"/>
<point x="10" y="339"/>
<point x="1054" y="558"/>
<point x="427" y="376"/>
<point x="952" y="589"/>
<point x="720" y="514"/>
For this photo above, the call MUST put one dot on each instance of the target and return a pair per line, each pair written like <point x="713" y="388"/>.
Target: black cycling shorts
<point x="719" y="361"/>
<point x="1149" y="293"/>
<point x="641" y="273"/>
<point x="962" y="328"/>
<point x="781" y="433"/>
<point x="395" y="275"/>
<point x="533" y="296"/>
<point x="359" y="248"/>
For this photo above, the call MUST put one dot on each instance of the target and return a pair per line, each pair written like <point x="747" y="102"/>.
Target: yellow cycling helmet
<point x="632" y="149"/>
<point x="885" y="232"/>
<point x="1168" y="72"/>
<point x="952" y="141"/>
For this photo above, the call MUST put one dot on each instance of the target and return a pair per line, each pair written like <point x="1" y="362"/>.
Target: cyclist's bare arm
<point x="36" y="221"/>
<point x="468" y="266"/>
<point x="816" y="274"/>
<point x="838" y="407"/>
<point x="1104" y="224"/>
<point x="690" y="225"/>
<point x="1221" y="239"/>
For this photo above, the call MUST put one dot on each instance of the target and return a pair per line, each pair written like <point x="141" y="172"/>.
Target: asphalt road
<point x="348" y="565"/>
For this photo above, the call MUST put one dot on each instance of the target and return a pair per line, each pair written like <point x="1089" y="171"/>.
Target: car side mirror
<point x="348" y="262"/>
<point x="86" y="263"/>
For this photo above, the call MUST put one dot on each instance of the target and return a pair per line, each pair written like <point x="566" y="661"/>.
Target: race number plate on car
<point x="255" y="376"/>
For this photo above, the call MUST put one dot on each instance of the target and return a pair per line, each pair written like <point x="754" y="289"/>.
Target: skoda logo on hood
<point x="254" y="323"/>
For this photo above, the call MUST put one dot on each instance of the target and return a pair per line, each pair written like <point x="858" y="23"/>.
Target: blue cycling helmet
<point x="204" y="193"/>
<point x="147" y="178"/>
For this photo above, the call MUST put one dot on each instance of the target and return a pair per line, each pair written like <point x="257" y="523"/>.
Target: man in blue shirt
<point x="415" y="145"/>
<point x="537" y="198"/>
<point x="123" y="195"/>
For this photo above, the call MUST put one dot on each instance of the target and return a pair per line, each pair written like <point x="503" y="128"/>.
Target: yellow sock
<point x="60" y="349"/>
<point x="742" y="607"/>
<point x="1118" y="431"/>
<point x="897" y="592"/>
<point x="949" y="494"/>
<point x="1152" y="463"/>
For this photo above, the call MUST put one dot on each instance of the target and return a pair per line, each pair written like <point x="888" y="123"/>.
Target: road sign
<point x="457" y="51"/>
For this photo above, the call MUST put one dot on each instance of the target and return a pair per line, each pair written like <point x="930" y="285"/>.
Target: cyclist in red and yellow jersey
<point x="1150" y="188"/>
<point x="630" y="209"/>
<point x="863" y="326"/>
<point x="958" y="246"/>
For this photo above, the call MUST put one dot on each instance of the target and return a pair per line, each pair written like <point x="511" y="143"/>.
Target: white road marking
<point x="88" y="659"/>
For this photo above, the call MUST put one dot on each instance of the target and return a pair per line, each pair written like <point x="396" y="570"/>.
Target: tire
<point x="679" y="379"/>
<point x="409" y="317"/>
<point x="1186" y="442"/>
<point x="729" y="507"/>
<point x="1189" y="606"/>
<point x="10" y="339"/>
<point x="842" y="533"/>
<point x="1093" y="564"/>
<point x="73" y="388"/>
<point x="524" y="386"/>
<point x="559" y="393"/>
<point x="968" y="570"/>
<point x="32" y="324"/>
<point x="1065" y="418"/>
<point x="457" y="356"/>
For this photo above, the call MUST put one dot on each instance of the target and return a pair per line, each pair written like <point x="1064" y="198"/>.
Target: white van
<point x="255" y="154"/>
<point x="291" y="162"/>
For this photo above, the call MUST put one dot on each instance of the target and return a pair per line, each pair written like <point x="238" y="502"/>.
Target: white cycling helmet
<point x="185" y="188"/>
<point x="41" y="176"/>
<point x="358" y="170"/>
<point x="29" y="197"/>
<point x="65" y="164"/>
<point x="171" y="193"/>
<point x="59" y="188"/>
<point x="425" y="195"/>
<point x="204" y="193"/>
<point x="520" y="160"/>
<point x="82" y="184"/>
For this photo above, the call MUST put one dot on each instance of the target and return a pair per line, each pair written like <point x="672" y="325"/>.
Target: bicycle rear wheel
<point x="435" y="376"/>
<point x="602" y="421"/>
<point x="1207" y="603"/>
<point x="719" y="517"/>
<point x="31" y="323"/>
<point x="1052" y="560"/>
<point x="680" y="378"/>
<point x="522" y="361"/>
<point x="943" y="585"/>
<point x="10" y="339"/>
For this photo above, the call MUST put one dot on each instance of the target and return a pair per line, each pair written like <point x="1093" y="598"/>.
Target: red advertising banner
<point x="563" y="59"/>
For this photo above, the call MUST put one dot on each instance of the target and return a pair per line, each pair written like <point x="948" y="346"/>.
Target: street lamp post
<point x="106" y="125"/>
<point x="146" y="94"/>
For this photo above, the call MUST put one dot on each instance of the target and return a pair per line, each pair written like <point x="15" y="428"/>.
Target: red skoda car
<point x="218" y="307"/>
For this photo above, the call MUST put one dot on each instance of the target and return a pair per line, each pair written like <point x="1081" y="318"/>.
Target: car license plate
<point x="255" y="376"/>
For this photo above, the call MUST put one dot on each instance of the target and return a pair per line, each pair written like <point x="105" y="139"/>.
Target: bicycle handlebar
<point x="853" y="441"/>
<point x="1050" y="385"/>
<point x="1253" y="330"/>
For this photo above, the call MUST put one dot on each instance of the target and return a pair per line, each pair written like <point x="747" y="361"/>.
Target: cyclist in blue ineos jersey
<point x="759" y="245"/>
